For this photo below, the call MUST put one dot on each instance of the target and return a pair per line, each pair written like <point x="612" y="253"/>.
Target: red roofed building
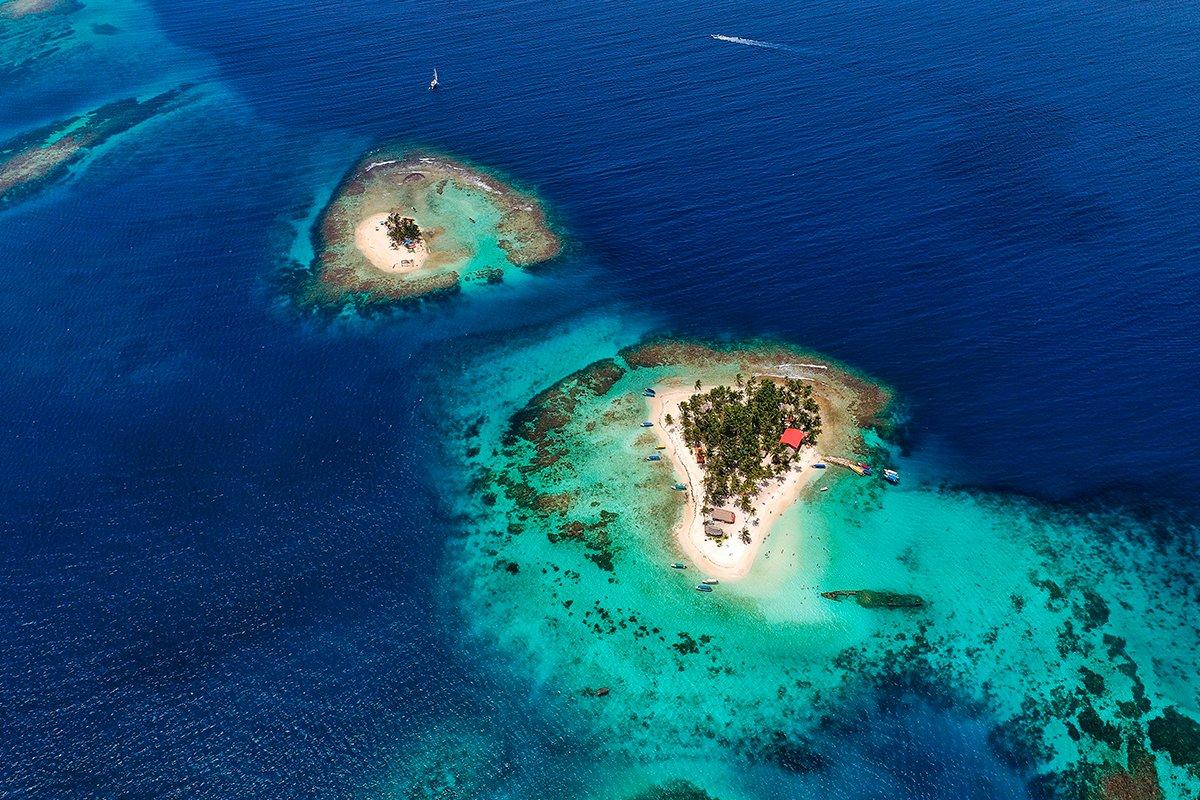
<point x="793" y="438"/>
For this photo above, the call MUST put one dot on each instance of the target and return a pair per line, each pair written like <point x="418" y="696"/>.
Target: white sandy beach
<point x="371" y="239"/>
<point x="730" y="558"/>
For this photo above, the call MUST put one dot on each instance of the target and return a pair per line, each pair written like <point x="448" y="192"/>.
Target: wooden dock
<point x="853" y="466"/>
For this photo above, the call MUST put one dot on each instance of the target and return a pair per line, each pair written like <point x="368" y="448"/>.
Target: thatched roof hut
<point x="724" y="515"/>
<point x="715" y="532"/>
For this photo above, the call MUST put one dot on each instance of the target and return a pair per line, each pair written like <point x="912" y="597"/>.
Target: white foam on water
<point x="752" y="42"/>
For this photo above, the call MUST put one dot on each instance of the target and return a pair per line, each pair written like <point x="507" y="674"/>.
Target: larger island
<point x="743" y="448"/>
<point x="727" y="436"/>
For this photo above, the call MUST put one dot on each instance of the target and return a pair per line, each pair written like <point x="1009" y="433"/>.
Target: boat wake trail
<point x="824" y="57"/>
<point x="757" y="43"/>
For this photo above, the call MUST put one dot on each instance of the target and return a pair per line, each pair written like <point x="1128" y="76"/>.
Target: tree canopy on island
<point x="402" y="229"/>
<point x="738" y="429"/>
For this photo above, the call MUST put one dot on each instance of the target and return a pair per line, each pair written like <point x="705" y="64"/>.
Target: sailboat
<point x="433" y="84"/>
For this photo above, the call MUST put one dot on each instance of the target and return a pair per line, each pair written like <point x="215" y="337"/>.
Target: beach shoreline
<point x="730" y="558"/>
<point x="372" y="240"/>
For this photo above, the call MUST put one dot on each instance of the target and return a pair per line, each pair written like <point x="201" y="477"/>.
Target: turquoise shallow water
<point x="1024" y="601"/>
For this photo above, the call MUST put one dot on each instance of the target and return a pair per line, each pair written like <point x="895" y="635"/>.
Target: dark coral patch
<point x="1178" y="735"/>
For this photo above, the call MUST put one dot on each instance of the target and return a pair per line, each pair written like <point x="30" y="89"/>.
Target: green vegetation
<point x="738" y="431"/>
<point x="402" y="230"/>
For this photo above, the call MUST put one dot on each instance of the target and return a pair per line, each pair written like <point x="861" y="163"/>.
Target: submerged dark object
<point x="873" y="598"/>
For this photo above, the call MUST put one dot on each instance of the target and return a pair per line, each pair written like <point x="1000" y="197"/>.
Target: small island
<point x="405" y="225"/>
<point x="34" y="160"/>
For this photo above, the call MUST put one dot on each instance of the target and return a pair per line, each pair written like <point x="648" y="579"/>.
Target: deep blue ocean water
<point x="218" y="519"/>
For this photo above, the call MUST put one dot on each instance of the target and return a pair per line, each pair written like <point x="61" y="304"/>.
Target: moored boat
<point x="679" y="487"/>
<point x="647" y="424"/>
<point x="703" y="587"/>
<point x="679" y="565"/>
<point x="648" y="393"/>
<point x="654" y="457"/>
<point x="710" y="581"/>
<point x="891" y="476"/>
